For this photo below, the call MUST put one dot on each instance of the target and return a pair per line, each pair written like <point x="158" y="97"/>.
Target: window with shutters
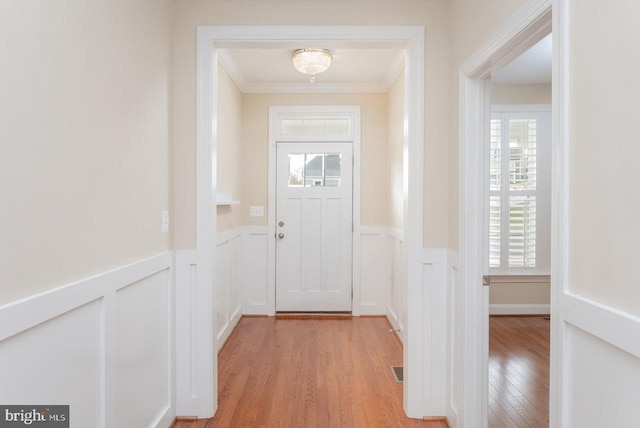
<point x="519" y="189"/>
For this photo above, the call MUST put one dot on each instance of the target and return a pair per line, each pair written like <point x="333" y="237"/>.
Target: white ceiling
<point x="531" y="68"/>
<point x="353" y="69"/>
<point x="267" y="67"/>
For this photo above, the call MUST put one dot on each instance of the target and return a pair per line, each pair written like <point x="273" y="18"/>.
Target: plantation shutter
<point x="515" y="193"/>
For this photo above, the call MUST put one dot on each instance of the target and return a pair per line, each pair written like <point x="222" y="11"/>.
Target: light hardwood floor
<point x="304" y="373"/>
<point x="518" y="372"/>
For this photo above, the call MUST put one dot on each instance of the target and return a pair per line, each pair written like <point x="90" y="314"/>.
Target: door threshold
<point x="313" y="315"/>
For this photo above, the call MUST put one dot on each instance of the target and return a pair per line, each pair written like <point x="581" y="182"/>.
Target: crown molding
<point x="310" y="88"/>
<point x="397" y="66"/>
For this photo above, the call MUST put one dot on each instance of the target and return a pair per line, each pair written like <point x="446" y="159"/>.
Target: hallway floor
<point x="293" y="372"/>
<point x="519" y="372"/>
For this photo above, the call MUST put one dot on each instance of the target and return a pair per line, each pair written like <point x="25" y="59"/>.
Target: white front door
<point x="313" y="227"/>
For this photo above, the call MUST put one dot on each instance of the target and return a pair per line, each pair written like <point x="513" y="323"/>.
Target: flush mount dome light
<point x="311" y="61"/>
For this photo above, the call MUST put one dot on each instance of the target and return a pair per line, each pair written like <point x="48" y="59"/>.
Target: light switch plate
<point x="256" y="211"/>
<point x="165" y="221"/>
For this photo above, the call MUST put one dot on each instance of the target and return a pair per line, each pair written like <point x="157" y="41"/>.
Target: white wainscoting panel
<point x="435" y="272"/>
<point x="601" y="363"/>
<point x="255" y="270"/>
<point x="373" y="270"/>
<point x="454" y="340"/>
<point x="186" y="269"/>
<point x="396" y="279"/>
<point x="228" y="276"/>
<point x="142" y="351"/>
<point x="103" y="345"/>
<point x="57" y="362"/>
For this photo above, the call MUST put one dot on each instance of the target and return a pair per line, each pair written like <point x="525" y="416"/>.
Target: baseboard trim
<point x="519" y="309"/>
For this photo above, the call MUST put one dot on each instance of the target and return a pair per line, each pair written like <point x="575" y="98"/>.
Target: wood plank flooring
<point x="307" y="373"/>
<point x="518" y="372"/>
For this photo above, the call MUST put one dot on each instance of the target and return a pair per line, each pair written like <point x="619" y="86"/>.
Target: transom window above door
<point x="318" y="125"/>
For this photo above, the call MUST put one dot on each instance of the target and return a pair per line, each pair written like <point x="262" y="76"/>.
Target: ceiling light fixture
<point x="311" y="61"/>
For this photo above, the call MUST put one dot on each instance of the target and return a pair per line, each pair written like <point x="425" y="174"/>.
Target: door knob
<point x="280" y="235"/>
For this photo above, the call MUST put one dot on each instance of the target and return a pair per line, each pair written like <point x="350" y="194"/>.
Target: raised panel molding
<point x="255" y="270"/>
<point x="186" y="269"/>
<point x="99" y="315"/>
<point x="435" y="272"/>
<point x="228" y="285"/>
<point x="454" y="343"/>
<point x="230" y="248"/>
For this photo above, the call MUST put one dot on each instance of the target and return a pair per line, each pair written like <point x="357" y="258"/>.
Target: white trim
<point x="413" y="223"/>
<point x="519" y="309"/>
<point x="206" y="221"/>
<point x="20" y="315"/>
<point x="611" y="325"/>
<point x="212" y="38"/>
<point x="529" y="25"/>
<point x="521" y="108"/>
<point x="316" y="88"/>
<point x="559" y="212"/>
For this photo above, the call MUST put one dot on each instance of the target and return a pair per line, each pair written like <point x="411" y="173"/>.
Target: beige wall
<point x="519" y="293"/>
<point x="472" y="23"/>
<point x="230" y="164"/>
<point x="603" y="169"/>
<point x="84" y="138"/>
<point x="374" y="163"/>
<point x="395" y="114"/>
<point x="520" y="94"/>
<point x="433" y="15"/>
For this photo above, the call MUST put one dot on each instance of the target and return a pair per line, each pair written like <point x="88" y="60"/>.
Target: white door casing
<point x="314" y="227"/>
<point x="525" y="29"/>
<point x="209" y="40"/>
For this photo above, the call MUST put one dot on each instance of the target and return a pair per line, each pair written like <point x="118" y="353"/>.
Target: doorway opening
<point x="210" y="40"/>
<point x="527" y="28"/>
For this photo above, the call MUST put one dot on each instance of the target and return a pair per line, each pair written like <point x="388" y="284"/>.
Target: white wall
<point x="600" y="303"/>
